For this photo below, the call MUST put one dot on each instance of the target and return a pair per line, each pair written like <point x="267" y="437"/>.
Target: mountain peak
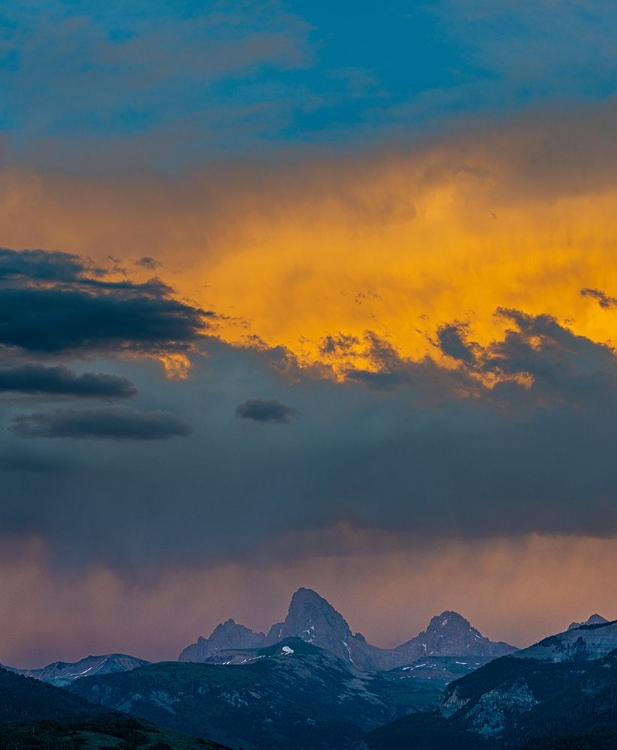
<point x="595" y="619"/>
<point x="228" y="634"/>
<point x="311" y="617"/>
<point x="450" y="634"/>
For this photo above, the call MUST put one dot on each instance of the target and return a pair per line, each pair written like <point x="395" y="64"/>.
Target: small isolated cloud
<point x="37" y="379"/>
<point x="265" y="410"/>
<point x="149" y="263"/>
<point x="118" y="423"/>
<point x="603" y="299"/>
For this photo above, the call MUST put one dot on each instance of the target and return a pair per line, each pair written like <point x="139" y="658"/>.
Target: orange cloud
<point x="396" y="242"/>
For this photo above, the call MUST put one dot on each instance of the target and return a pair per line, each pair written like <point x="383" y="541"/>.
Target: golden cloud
<point x="397" y="242"/>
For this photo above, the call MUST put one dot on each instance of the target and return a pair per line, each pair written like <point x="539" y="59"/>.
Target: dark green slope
<point x="577" y="742"/>
<point x="37" y="716"/>
<point x="23" y="699"/>
<point x="292" y="696"/>
<point x="120" y="732"/>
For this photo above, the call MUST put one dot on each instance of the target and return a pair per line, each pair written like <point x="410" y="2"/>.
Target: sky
<point x="305" y="294"/>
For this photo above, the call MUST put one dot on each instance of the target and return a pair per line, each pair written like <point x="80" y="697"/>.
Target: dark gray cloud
<point x="42" y="265"/>
<point x="117" y="423"/>
<point x="389" y="371"/>
<point x="452" y="340"/>
<point x="562" y="366"/>
<point x="52" y="303"/>
<point x="603" y="299"/>
<point x="265" y="410"/>
<point x="38" y="379"/>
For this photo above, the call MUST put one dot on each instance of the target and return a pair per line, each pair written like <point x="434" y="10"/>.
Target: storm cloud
<point x="520" y="441"/>
<point x="265" y="410"/>
<point x="53" y="303"/>
<point x="114" y="423"/>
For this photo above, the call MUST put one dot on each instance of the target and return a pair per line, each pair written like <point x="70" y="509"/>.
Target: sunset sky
<point x="305" y="293"/>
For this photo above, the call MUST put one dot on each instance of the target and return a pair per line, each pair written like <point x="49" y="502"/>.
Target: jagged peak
<point x="231" y="626"/>
<point x="311" y="617"/>
<point x="595" y="619"/>
<point x="226" y="625"/>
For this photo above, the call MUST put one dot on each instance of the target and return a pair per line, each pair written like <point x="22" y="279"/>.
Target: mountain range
<point x="311" y="683"/>
<point x="314" y="620"/>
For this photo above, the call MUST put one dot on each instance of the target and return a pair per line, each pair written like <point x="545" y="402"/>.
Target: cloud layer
<point x="509" y="438"/>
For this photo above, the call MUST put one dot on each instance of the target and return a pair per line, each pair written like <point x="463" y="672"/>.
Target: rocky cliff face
<point x="227" y="635"/>
<point x="313" y="619"/>
<point x="584" y="643"/>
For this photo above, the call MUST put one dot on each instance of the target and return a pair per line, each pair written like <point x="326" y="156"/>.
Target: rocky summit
<point x="313" y="619"/>
<point x="450" y="634"/>
<point x="593" y="620"/>
<point x="227" y="635"/>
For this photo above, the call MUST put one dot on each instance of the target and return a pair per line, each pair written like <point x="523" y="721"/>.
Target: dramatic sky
<point x="305" y="293"/>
